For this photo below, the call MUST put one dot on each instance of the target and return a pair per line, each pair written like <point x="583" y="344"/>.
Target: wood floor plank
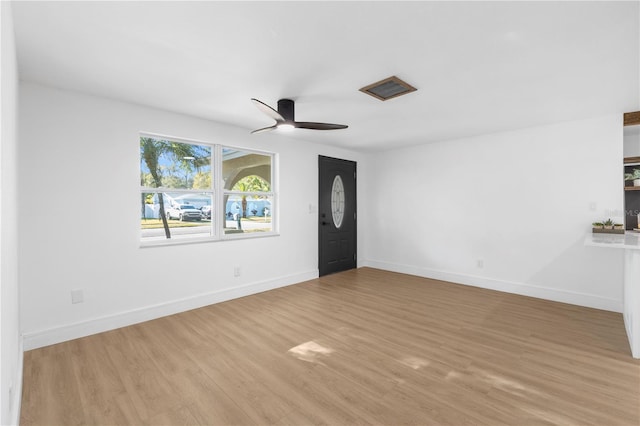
<point x="360" y="347"/>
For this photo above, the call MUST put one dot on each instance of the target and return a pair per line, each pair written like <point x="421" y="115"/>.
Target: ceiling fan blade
<point x="265" y="129"/>
<point x="318" y="126"/>
<point x="267" y="110"/>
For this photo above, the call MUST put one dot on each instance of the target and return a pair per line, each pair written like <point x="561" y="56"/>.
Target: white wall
<point x="520" y="202"/>
<point x="10" y="342"/>
<point x="79" y="229"/>
<point x="632" y="141"/>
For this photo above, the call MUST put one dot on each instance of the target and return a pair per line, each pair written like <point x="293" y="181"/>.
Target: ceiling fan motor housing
<point x="286" y="109"/>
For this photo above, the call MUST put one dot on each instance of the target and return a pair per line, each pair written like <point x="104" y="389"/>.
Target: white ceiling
<point x="480" y="67"/>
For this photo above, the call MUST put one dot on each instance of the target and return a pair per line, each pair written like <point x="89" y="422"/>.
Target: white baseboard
<point x="37" y="339"/>
<point x="573" y="298"/>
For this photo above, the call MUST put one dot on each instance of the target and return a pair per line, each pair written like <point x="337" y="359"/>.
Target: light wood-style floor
<point x="360" y="347"/>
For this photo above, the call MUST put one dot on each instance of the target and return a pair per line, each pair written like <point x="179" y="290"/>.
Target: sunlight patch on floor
<point x="310" y="351"/>
<point x="452" y="375"/>
<point x="503" y="383"/>
<point x="493" y="380"/>
<point x="414" y="362"/>
<point x="547" y="416"/>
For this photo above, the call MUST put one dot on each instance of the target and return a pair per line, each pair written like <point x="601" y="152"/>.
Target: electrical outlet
<point x="480" y="263"/>
<point x="593" y="206"/>
<point x="236" y="271"/>
<point x="77" y="296"/>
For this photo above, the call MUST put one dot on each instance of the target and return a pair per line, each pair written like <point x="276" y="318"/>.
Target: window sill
<point x="201" y="240"/>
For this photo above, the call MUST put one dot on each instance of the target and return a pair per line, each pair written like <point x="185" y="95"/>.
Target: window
<point x="193" y="191"/>
<point x="247" y="196"/>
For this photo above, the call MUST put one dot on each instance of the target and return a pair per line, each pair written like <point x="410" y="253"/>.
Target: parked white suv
<point x="184" y="212"/>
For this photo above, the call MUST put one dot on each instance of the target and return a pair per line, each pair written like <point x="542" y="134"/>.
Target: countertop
<point x="628" y="240"/>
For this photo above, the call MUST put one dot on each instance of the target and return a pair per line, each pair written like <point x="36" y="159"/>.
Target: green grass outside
<point x="173" y="223"/>
<point x="258" y="219"/>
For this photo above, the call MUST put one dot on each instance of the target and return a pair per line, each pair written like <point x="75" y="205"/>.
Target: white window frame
<point x="272" y="194"/>
<point x="217" y="193"/>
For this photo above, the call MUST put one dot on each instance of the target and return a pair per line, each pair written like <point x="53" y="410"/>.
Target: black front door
<point x="336" y="215"/>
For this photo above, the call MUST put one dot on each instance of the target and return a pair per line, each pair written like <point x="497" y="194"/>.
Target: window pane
<point x="247" y="213"/>
<point x="170" y="164"/>
<point x="188" y="215"/>
<point x="246" y="171"/>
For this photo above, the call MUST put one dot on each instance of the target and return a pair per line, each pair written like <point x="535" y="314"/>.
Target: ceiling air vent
<point x="388" y="88"/>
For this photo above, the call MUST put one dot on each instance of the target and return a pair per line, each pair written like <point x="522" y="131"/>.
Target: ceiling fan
<point x="285" y="118"/>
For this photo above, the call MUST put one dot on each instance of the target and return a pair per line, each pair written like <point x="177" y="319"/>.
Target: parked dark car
<point x="206" y="211"/>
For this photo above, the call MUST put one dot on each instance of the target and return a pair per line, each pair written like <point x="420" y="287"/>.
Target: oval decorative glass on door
<point x="337" y="201"/>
